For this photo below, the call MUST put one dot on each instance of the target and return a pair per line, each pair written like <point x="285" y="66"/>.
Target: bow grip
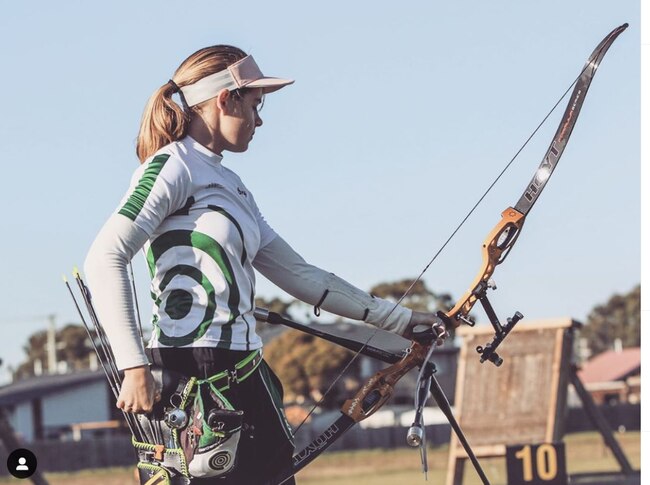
<point x="379" y="388"/>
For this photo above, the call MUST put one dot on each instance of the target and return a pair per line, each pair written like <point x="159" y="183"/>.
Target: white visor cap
<point x="242" y="74"/>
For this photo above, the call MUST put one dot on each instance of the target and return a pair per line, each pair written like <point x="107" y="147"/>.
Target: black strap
<point x="175" y="88"/>
<point x="320" y="302"/>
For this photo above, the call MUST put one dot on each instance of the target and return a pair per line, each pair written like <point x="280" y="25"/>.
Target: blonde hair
<point x="164" y="121"/>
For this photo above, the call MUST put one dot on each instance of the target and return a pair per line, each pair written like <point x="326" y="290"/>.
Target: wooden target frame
<point x="522" y="401"/>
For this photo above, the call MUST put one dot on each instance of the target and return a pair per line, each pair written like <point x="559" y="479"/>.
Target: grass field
<point x="585" y="453"/>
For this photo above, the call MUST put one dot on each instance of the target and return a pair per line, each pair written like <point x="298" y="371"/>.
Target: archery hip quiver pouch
<point x="197" y="431"/>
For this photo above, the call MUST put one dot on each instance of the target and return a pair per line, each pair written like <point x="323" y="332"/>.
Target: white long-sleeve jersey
<point x="203" y="235"/>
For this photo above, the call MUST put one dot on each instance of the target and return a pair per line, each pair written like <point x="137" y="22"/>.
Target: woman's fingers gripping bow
<point x="429" y="320"/>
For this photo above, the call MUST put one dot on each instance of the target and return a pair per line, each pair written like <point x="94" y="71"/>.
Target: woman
<point x="204" y="235"/>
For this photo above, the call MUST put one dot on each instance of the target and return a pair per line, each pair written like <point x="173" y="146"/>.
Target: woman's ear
<point x="224" y="101"/>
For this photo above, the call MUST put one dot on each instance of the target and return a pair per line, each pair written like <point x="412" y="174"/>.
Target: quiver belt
<point x="193" y="431"/>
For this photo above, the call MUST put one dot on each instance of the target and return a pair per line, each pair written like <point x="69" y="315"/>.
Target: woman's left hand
<point x="430" y="320"/>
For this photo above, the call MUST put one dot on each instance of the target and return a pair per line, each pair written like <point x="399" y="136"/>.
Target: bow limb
<point x="567" y="123"/>
<point x="372" y="395"/>
<point x="380" y="388"/>
<point x="501" y="239"/>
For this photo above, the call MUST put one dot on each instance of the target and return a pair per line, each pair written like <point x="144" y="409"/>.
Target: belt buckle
<point x="232" y="376"/>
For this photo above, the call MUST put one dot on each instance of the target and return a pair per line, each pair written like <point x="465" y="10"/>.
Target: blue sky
<point x="401" y="115"/>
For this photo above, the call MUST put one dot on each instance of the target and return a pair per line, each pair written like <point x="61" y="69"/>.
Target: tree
<point x="72" y="347"/>
<point x="619" y="318"/>
<point x="307" y="365"/>
<point x="420" y="298"/>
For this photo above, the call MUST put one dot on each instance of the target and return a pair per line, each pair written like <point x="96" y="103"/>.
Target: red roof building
<point x="614" y="376"/>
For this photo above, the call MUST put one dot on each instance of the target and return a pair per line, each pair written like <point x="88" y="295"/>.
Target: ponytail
<point x="163" y="122"/>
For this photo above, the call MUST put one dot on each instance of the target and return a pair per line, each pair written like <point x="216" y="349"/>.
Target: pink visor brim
<point x="242" y="74"/>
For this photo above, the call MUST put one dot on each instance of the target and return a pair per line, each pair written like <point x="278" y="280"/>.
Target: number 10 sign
<point x="543" y="464"/>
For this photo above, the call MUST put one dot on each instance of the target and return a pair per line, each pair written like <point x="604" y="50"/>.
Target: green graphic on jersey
<point x="176" y="313"/>
<point x="179" y="304"/>
<point x="244" y="257"/>
<point x="225" y="213"/>
<point x="202" y="242"/>
<point x="136" y="200"/>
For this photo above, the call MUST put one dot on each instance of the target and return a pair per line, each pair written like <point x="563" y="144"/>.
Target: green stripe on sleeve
<point x="136" y="200"/>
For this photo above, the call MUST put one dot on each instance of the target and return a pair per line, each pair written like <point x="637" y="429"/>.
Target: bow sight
<point x="500" y="331"/>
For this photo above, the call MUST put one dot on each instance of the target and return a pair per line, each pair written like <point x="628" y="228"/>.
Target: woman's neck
<point x="208" y="136"/>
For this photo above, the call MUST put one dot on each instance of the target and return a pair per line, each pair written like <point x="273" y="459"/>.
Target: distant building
<point x="59" y="406"/>
<point x="614" y="376"/>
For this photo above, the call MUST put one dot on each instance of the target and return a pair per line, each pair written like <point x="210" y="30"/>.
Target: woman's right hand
<point x="138" y="393"/>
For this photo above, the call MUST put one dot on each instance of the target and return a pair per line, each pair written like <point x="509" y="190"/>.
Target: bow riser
<point x="495" y="249"/>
